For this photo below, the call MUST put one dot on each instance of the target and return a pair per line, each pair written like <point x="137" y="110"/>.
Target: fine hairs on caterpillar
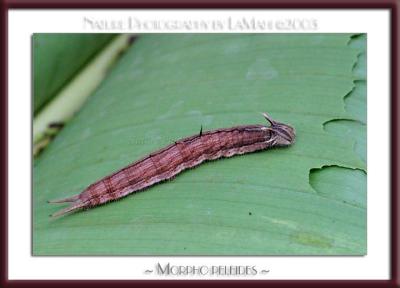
<point x="183" y="154"/>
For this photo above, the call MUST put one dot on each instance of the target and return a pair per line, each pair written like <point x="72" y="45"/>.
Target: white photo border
<point x="23" y="23"/>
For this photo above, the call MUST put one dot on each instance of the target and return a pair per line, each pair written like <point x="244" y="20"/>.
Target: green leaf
<point x="57" y="58"/>
<point x="339" y="183"/>
<point x="167" y="86"/>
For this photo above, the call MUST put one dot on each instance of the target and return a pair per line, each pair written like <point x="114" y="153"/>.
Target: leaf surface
<point x="166" y="87"/>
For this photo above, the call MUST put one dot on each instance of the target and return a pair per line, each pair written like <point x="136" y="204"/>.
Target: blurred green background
<point x="57" y="58"/>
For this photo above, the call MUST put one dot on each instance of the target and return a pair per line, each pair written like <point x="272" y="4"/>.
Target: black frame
<point x="391" y="5"/>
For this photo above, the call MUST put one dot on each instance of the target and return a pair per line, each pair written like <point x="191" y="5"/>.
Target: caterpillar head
<point x="284" y="134"/>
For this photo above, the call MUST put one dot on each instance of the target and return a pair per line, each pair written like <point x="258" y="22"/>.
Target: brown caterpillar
<point x="183" y="154"/>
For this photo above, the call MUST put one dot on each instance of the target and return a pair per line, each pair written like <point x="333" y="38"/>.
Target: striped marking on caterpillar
<point x="183" y="154"/>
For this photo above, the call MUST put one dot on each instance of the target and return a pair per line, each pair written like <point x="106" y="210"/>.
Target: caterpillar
<point x="183" y="154"/>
